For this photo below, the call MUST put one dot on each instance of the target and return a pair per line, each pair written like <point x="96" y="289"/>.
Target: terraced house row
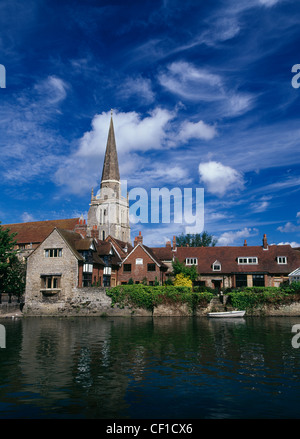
<point x="64" y="255"/>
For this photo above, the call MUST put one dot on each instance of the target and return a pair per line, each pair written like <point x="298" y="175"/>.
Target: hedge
<point x="149" y="297"/>
<point x="250" y="298"/>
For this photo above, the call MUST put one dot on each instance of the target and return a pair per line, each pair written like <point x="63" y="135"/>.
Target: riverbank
<point x="143" y="301"/>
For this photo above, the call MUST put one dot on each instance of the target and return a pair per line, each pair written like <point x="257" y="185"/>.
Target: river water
<point x="144" y="368"/>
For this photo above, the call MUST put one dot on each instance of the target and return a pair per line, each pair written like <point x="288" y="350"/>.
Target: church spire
<point x="111" y="164"/>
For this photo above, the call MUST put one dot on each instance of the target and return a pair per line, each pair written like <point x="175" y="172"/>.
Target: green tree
<point x="12" y="271"/>
<point x="179" y="268"/>
<point x="196" y="240"/>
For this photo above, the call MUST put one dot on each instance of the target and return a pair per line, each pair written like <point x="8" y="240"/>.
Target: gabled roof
<point x="295" y="272"/>
<point x="106" y="248"/>
<point x="37" y="231"/>
<point x="150" y="253"/>
<point x="72" y="239"/>
<point x="163" y="253"/>
<point x="120" y="245"/>
<point x="227" y="256"/>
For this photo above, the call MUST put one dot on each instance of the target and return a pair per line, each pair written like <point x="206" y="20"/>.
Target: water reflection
<point x="149" y="368"/>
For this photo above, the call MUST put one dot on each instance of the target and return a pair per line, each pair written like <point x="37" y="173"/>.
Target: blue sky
<point x="202" y="98"/>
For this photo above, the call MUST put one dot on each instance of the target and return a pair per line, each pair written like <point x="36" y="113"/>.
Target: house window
<point x="50" y="282"/>
<point x="281" y="260"/>
<point x="88" y="268"/>
<point x="216" y="266"/>
<point x="151" y="267"/>
<point x="139" y="261"/>
<point x="191" y="261"/>
<point x="107" y="271"/>
<point x="241" y="280"/>
<point x="87" y="280"/>
<point x="258" y="280"/>
<point x="127" y="268"/>
<point x="248" y="260"/>
<point x="53" y="252"/>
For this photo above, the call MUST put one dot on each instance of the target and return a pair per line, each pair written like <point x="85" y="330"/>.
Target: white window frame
<point x="281" y="260"/>
<point x="139" y="261"/>
<point x="248" y="260"/>
<point x="191" y="261"/>
<point x="217" y="264"/>
<point x="88" y="268"/>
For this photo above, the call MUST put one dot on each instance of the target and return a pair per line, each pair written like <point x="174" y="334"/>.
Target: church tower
<point x="109" y="211"/>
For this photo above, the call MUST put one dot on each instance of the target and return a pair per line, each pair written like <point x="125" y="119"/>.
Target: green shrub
<point x="250" y="298"/>
<point x="148" y="297"/>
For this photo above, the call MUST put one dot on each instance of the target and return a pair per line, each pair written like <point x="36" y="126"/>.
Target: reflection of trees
<point x="88" y="366"/>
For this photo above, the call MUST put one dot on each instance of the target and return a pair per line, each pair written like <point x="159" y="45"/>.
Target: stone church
<point x="109" y="212"/>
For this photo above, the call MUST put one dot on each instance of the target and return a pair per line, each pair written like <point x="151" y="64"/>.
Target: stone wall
<point x="94" y="302"/>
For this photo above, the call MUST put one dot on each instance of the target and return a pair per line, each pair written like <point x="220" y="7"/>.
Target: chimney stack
<point x="168" y="244"/>
<point x="265" y="242"/>
<point x="174" y="242"/>
<point x="245" y="243"/>
<point x="138" y="239"/>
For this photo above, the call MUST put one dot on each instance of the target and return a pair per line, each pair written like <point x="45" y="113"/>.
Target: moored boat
<point x="223" y="314"/>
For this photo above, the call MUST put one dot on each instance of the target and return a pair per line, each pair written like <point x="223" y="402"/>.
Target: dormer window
<point x="216" y="266"/>
<point x="248" y="260"/>
<point x="281" y="260"/>
<point x="191" y="261"/>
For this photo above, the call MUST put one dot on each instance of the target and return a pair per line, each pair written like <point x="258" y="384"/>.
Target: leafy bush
<point x="182" y="280"/>
<point x="250" y="298"/>
<point x="148" y="297"/>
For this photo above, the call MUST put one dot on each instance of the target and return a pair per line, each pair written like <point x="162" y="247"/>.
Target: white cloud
<point x="27" y="217"/>
<point x="132" y="132"/>
<point x="268" y="2"/>
<point x="134" y="136"/>
<point x="199" y="84"/>
<point x="219" y="178"/>
<point x="260" y="206"/>
<point x="52" y="90"/>
<point x="289" y="228"/>
<point x="293" y="244"/>
<point x="139" y="87"/>
<point x="228" y="238"/>
<point x="198" y="130"/>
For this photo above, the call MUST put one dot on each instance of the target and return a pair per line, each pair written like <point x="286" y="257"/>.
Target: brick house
<point x="227" y="267"/>
<point x="142" y="265"/>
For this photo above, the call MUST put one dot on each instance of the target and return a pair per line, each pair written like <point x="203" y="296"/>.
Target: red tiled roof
<point x="37" y="231"/>
<point x="227" y="256"/>
<point x="163" y="253"/>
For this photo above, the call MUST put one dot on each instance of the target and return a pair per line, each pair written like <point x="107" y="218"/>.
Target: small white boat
<point x="227" y="314"/>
